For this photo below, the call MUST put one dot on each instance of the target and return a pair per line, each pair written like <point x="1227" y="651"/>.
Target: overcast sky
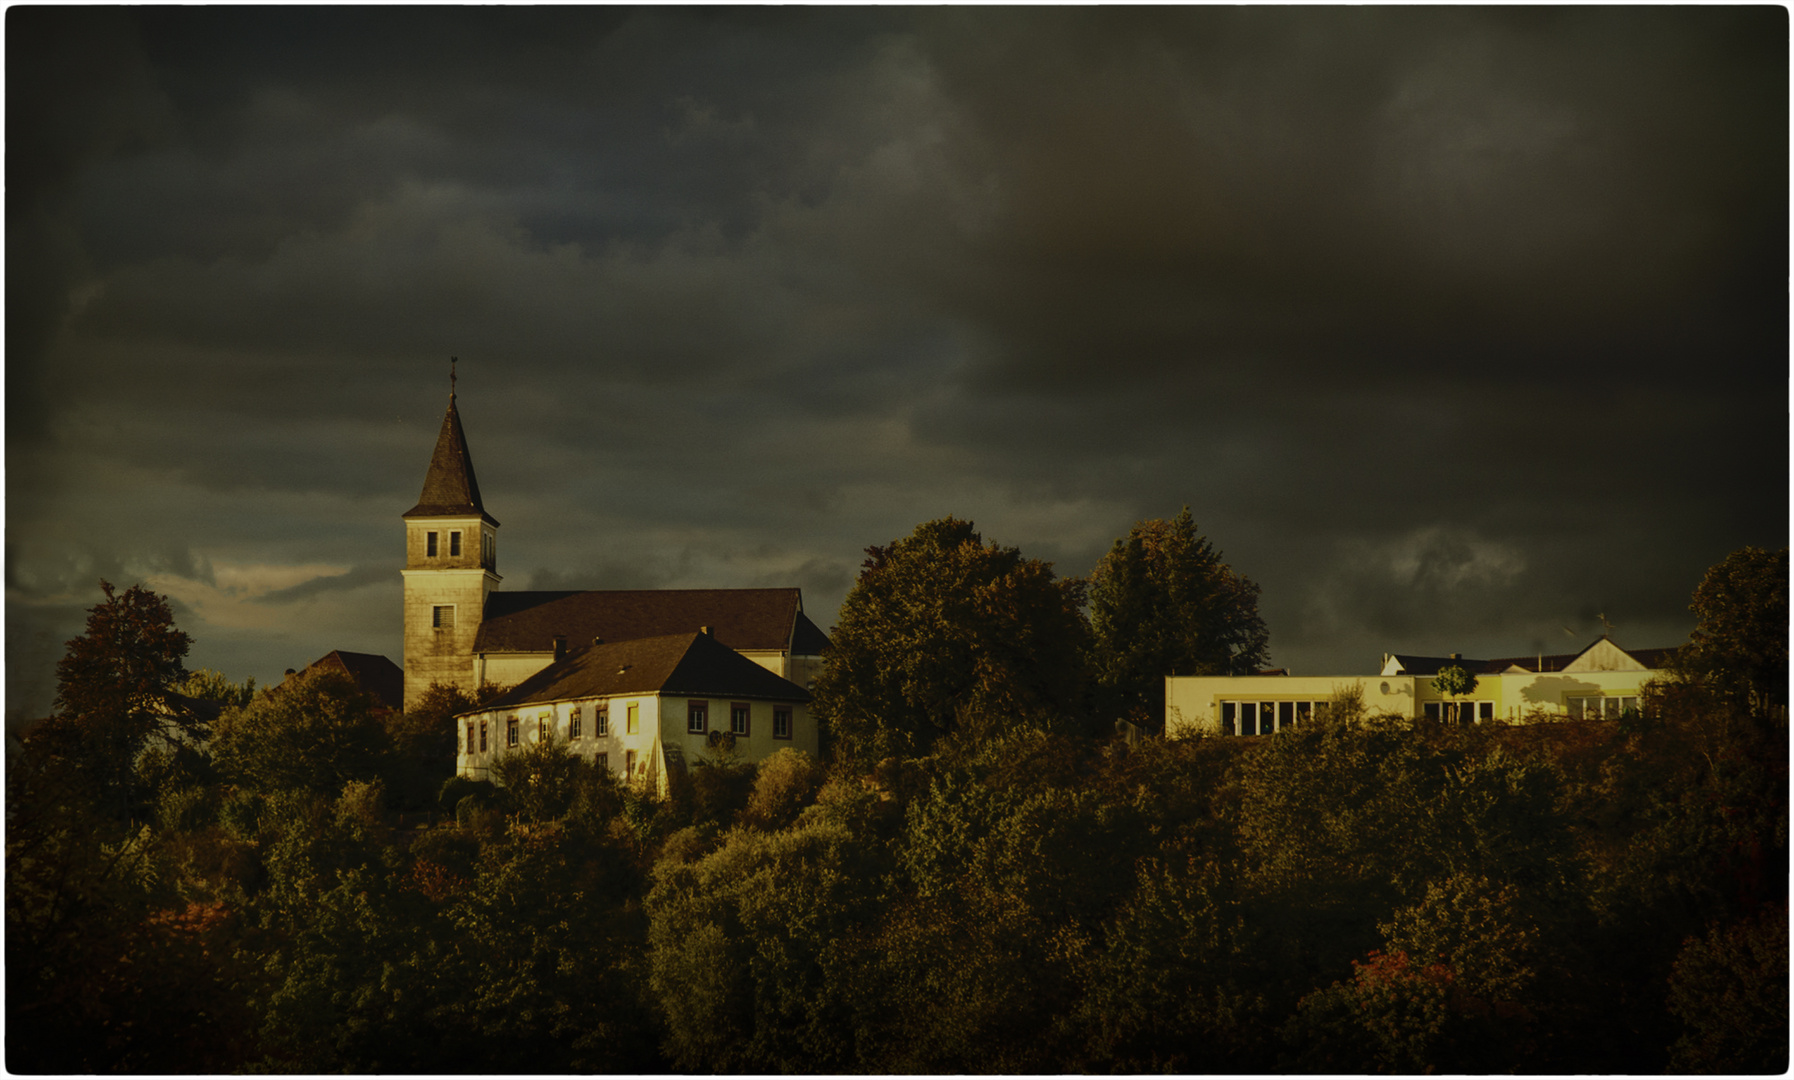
<point x="1454" y="328"/>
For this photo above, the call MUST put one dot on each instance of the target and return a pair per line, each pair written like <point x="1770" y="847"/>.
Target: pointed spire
<point x="450" y="487"/>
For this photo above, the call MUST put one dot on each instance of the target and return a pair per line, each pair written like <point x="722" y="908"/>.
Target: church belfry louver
<point x="451" y="566"/>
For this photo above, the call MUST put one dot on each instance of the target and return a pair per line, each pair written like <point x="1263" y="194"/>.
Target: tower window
<point x="455" y="543"/>
<point x="430" y="544"/>
<point x="442" y="616"/>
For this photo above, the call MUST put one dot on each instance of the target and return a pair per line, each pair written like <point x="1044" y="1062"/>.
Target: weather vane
<point x="451" y="376"/>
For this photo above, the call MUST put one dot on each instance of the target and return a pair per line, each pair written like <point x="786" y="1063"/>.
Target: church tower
<point x="451" y="564"/>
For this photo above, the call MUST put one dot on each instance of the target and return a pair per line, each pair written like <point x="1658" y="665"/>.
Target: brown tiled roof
<point x="372" y="672"/>
<point x="684" y="665"/>
<point x="450" y="487"/>
<point x="746" y="619"/>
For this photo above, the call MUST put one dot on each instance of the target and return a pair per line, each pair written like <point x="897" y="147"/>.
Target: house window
<point x="603" y="761"/>
<point x="574" y="724"/>
<point x="455" y="543"/>
<point x="482" y="736"/>
<point x="544" y="722"/>
<point x="697" y="717"/>
<point x="442" y="616"/>
<point x="430" y="544"/>
<point x="1286" y="714"/>
<point x="1431" y="709"/>
<point x="470" y="736"/>
<point x="601" y="720"/>
<point x="1485" y="710"/>
<point x="781" y="722"/>
<point x="634" y="716"/>
<point x="512" y="735"/>
<point x="629" y="763"/>
<point x="1229" y="714"/>
<point x="738" y="718"/>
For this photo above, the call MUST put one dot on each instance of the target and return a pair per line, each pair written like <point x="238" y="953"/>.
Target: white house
<point x="644" y="709"/>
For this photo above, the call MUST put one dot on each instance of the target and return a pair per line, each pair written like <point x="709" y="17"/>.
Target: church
<point x="630" y="677"/>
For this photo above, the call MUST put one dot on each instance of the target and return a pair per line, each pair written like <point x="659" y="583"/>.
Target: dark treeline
<point x="979" y="879"/>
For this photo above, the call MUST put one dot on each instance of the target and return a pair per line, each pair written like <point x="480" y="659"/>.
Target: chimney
<point x="597" y="641"/>
<point x="705" y="630"/>
<point x="1457" y="656"/>
<point x="560" y="648"/>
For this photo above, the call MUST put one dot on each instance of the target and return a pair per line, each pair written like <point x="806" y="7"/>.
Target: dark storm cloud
<point x="1450" y="325"/>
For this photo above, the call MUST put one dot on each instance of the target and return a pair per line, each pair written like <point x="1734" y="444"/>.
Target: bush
<point x="187" y="809"/>
<point x="785" y="783"/>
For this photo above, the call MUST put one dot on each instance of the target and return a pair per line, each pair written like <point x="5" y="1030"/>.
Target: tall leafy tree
<point x="942" y="634"/>
<point x="1741" y="637"/>
<point x="113" y="694"/>
<point x="1163" y="603"/>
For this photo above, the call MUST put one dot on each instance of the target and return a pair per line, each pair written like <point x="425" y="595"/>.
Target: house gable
<point x="1604" y="655"/>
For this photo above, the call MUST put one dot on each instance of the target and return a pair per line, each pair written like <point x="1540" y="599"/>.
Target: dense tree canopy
<point x="1163" y="603"/>
<point x="1741" y="637"/>
<point x="316" y="732"/>
<point x="1353" y="895"/>
<point x="944" y="634"/>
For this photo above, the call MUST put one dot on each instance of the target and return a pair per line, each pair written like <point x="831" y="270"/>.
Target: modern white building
<point x="1602" y="680"/>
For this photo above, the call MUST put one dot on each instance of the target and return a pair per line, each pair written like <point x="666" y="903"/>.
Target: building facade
<point x="644" y="709"/>
<point x="462" y="630"/>
<point x="1602" y="680"/>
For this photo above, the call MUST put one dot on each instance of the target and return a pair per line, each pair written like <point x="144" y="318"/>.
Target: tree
<point x="313" y="733"/>
<point x="1741" y="636"/>
<point x="112" y="695"/>
<point x="942" y="634"/>
<point x="1730" y="990"/>
<point x="1163" y="603"/>
<point x="1455" y="681"/>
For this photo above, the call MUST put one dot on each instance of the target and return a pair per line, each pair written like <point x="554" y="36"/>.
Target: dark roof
<point x="1534" y="663"/>
<point x="747" y="619"/>
<point x="684" y="665"/>
<point x="372" y="672"/>
<point x="1430" y="665"/>
<point x="450" y="488"/>
<point x="1653" y="659"/>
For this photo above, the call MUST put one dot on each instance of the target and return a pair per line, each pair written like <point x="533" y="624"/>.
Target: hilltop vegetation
<point x="976" y="881"/>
